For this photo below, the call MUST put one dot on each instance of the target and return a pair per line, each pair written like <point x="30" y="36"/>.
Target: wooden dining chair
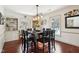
<point x="46" y="39"/>
<point x="52" y="37"/>
<point x="49" y="36"/>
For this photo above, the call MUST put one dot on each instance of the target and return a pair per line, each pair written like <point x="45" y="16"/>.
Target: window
<point x="56" y="24"/>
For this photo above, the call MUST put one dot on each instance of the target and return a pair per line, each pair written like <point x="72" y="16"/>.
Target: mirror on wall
<point x="72" y="22"/>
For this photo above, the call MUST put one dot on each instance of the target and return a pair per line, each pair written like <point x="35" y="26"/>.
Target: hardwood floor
<point x="67" y="48"/>
<point x="13" y="47"/>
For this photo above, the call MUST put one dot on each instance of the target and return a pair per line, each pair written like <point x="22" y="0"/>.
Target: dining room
<point x="39" y="29"/>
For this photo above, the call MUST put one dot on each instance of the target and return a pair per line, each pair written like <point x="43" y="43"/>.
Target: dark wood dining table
<point x="40" y="41"/>
<point x="37" y="38"/>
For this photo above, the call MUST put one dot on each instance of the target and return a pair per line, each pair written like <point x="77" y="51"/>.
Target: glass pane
<point x="56" y="24"/>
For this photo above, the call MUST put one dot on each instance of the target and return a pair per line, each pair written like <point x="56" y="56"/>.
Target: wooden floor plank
<point x="13" y="47"/>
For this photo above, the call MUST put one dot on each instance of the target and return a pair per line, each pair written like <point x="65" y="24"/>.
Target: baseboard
<point x="12" y="41"/>
<point x="66" y="43"/>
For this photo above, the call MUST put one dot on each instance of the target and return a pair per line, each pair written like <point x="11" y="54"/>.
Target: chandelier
<point x="37" y="20"/>
<point x="37" y="17"/>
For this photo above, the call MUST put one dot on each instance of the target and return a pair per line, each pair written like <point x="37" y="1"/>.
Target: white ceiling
<point x="31" y="9"/>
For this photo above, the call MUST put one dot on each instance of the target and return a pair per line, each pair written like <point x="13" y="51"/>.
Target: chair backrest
<point x="48" y="35"/>
<point x="45" y="35"/>
<point x="52" y="33"/>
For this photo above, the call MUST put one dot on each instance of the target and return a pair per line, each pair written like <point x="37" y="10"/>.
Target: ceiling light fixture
<point x="37" y="9"/>
<point x="37" y="17"/>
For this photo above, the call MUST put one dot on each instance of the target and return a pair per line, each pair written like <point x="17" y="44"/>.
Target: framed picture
<point x="11" y="24"/>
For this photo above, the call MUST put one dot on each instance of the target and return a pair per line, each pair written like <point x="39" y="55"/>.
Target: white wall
<point x="70" y="36"/>
<point x="1" y="9"/>
<point x="2" y="31"/>
<point x="14" y="35"/>
<point x="2" y="37"/>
